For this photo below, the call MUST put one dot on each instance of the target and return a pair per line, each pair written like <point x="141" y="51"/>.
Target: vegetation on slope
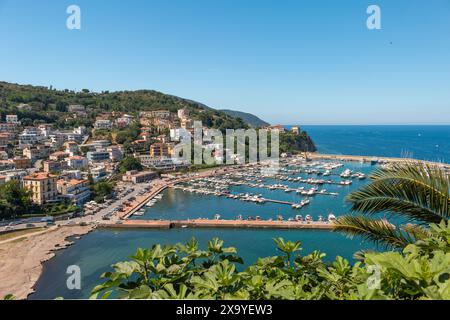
<point x="51" y="105"/>
<point x="248" y="118"/>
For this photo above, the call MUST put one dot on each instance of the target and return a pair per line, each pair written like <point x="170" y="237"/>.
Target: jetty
<point x="210" y="223"/>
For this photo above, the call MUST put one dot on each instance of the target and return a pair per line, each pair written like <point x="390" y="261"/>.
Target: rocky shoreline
<point x="21" y="260"/>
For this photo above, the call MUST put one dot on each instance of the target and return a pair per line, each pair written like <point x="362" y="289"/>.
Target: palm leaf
<point x="417" y="191"/>
<point x="380" y="231"/>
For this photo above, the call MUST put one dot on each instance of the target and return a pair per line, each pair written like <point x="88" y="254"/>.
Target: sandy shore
<point x="21" y="260"/>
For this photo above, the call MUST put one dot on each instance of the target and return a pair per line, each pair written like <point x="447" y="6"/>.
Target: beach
<point x="21" y="259"/>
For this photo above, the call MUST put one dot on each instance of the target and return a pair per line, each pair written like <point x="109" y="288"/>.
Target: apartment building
<point x="74" y="191"/>
<point x="42" y="186"/>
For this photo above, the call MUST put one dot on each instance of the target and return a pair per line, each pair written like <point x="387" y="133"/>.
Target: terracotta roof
<point x="39" y="176"/>
<point x="72" y="182"/>
<point x="76" y="158"/>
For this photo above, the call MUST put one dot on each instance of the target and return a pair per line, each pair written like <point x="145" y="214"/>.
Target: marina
<point x="212" y="223"/>
<point x="255" y="192"/>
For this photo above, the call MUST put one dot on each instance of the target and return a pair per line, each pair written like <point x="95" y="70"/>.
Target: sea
<point x="95" y="252"/>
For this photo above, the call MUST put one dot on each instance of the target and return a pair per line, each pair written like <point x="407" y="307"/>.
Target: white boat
<point x="346" y="174"/>
<point x="331" y="217"/>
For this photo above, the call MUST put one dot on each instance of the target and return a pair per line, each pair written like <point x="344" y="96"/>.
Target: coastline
<point x="21" y="260"/>
<point x="343" y="157"/>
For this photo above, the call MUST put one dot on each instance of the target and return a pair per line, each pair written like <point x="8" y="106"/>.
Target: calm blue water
<point x="421" y="142"/>
<point x="177" y="204"/>
<point x="96" y="252"/>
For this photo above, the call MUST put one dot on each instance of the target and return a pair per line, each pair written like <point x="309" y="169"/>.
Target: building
<point x="74" y="191"/>
<point x="278" y="127"/>
<point x="30" y="136"/>
<point x="24" y="107"/>
<point x="179" y="133"/>
<point x="81" y="130"/>
<point x="59" y="155"/>
<point x="22" y="162"/>
<point x="183" y="113"/>
<point x="97" y="156"/>
<point x="98" y="173"/>
<point x="71" y="147"/>
<point x="161" y="150"/>
<point x="14" y="175"/>
<point x="139" y="177"/>
<point x="35" y="153"/>
<point x="12" y="118"/>
<point x="6" y="165"/>
<point x="161" y="114"/>
<point x="115" y="154"/>
<point x="54" y="166"/>
<point x="42" y="186"/>
<point x="163" y="164"/>
<point x="124" y="121"/>
<point x="76" y="108"/>
<point x="77" y="162"/>
<point x="6" y="138"/>
<point x="8" y="127"/>
<point x="295" y="130"/>
<point x="103" y="124"/>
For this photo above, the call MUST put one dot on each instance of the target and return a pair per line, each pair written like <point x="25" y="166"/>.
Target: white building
<point x="183" y="113"/>
<point x="103" y="124"/>
<point x="77" y="162"/>
<point x="12" y="118"/>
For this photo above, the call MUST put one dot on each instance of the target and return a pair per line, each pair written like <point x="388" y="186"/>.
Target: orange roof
<point x="39" y="176"/>
<point x="59" y="153"/>
<point x="72" y="182"/>
<point x="76" y="158"/>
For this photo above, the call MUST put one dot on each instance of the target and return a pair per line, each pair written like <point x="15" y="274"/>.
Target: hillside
<point x="248" y="118"/>
<point x="50" y="105"/>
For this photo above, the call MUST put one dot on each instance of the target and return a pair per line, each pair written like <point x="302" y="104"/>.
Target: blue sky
<point x="288" y="61"/>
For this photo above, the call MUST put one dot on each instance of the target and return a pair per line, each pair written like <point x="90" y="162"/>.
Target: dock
<point x="209" y="223"/>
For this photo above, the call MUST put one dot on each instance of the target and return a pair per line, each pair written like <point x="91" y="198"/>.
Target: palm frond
<point x="380" y="231"/>
<point x="417" y="191"/>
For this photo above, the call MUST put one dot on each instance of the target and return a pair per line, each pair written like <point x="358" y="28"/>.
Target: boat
<point x="217" y="216"/>
<point x="308" y="218"/>
<point x="331" y="217"/>
<point x="346" y="173"/>
<point x="320" y="218"/>
<point x="299" y="217"/>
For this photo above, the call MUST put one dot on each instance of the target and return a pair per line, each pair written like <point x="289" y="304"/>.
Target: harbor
<point x="210" y="223"/>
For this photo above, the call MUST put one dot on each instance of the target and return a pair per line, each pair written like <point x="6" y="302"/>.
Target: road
<point x="94" y="218"/>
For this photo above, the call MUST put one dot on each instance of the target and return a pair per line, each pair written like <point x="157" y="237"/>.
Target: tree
<point x="15" y="200"/>
<point x="415" y="191"/>
<point x="129" y="163"/>
<point x="101" y="190"/>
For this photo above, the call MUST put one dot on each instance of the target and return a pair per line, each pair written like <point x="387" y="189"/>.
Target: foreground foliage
<point x="415" y="191"/>
<point x="184" y="271"/>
